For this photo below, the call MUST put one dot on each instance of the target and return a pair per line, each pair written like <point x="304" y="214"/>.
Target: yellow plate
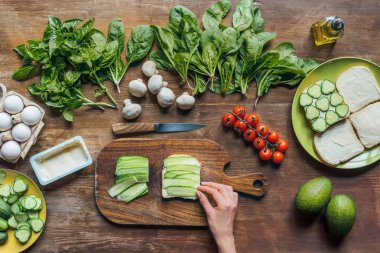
<point x="331" y="70"/>
<point x="12" y="245"/>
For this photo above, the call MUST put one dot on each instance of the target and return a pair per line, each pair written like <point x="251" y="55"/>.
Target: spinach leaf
<point x="214" y="15"/>
<point x="25" y="72"/>
<point x="116" y="32"/>
<point x="177" y="13"/>
<point x="243" y="16"/>
<point x="226" y="68"/>
<point x="160" y="59"/>
<point x="140" y="43"/>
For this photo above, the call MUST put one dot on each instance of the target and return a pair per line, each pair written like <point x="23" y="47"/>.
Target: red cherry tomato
<point x="252" y="119"/>
<point x="262" y="129"/>
<point x="228" y="119"/>
<point x="282" y="145"/>
<point x="240" y="111"/>
<point x="249" y="135"/>
<point x="259" y="143"/>
<point x="278" y="157"/>
<point x="273" y="136"/>
<point x="240" y="126"/>
<point x="265" y="154"/>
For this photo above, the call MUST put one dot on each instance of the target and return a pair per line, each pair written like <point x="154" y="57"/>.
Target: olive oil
<point x="327" y="30"/>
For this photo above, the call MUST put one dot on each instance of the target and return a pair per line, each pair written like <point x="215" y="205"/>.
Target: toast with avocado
<point x="338" y="144"/>
<point x="359" y="87"/>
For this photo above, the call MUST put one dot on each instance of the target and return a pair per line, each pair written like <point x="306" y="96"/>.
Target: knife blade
<point x="128" y="128"/>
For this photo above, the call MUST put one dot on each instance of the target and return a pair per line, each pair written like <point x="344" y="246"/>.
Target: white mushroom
<point x="137" y="88"/>
<point x="165" y="97"/>
<point x="185" y="101"/>
<point x="155" y="84"/>
<point x="5" y="121"/>
<point x="10" y="150"/>
<point x="13" y="104"/>
<point x="131" y="111"/>
<point x="149" y="68"/>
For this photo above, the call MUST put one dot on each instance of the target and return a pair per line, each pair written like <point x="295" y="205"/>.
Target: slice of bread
<point x="338" y="144"/>
<point x="359" y="87"/>
<point x="367" y="124"/>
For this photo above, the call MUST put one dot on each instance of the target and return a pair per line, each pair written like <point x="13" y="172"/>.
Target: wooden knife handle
<point x="128" y="128"/>
<point x="252" y="184"/>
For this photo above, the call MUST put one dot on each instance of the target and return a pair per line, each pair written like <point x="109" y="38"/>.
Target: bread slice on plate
<point x="338" y="144"/>
<point x="359" y="87"/>
<point x="367" y="124"/>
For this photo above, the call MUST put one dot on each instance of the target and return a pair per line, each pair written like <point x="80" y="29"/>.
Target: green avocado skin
<point x="313" y="196"/>
<point x="340" y="214"/>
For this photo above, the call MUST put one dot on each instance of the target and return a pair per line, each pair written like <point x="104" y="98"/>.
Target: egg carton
<point x="16" y="118"/>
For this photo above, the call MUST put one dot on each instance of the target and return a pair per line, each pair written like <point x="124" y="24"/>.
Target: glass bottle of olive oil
<point x="327" y="30"/>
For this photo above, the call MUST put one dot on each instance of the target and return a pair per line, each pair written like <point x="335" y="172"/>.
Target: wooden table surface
<point x="267" y="225"/>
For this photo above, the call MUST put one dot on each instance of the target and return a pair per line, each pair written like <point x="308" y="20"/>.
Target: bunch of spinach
<point x="226" y="59"/>
<point x="69" y="55"/>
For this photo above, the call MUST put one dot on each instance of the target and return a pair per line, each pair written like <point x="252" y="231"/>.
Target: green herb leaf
<point x="68" y="115"/>
<point x="243" y="16"/>
<point x="25" y="72"/>
<point x="214" y="15"/>
<point x="140" y="43"/>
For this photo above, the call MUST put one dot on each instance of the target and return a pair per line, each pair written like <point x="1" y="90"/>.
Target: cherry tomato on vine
<point x="240" y="111"/>
<point x="282" y="145"/>
<point x="249" y="135"/>
<point x="252" y="119"/>
<point x="228" y="119"/>
<point x="259" y="143"/>
<point x="273" y="136"/>
<point x="265" y="154"/>
<point x="240" y="127"/>
<point x="262" y="129"/>
<point x="277" y="157"/>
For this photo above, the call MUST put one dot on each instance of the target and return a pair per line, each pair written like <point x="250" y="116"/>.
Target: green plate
<point x="331" y="70"/>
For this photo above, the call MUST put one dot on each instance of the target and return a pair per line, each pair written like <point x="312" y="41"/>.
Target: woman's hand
<point x="220" y="218"/>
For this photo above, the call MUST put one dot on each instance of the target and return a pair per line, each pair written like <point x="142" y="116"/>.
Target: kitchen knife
<point x="128" y="128"/>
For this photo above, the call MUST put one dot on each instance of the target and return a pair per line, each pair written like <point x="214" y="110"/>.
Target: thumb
<point x="205" y="202"/>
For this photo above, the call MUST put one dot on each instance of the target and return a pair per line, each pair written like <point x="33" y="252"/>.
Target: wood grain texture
<point x="132" y="128"/>
<point x="271" y="224"/>
<point x="152" y="209"/>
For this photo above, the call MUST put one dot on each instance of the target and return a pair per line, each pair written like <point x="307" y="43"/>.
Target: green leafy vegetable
<point x="214" y="15"/>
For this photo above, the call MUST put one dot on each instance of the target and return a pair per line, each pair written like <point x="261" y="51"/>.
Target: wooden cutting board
<point x="152" y="209"/>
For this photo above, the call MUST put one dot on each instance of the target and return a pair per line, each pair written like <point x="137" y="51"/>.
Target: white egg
<point x="31" y="115"/>
<point x="21" y="132"/>
<point x="5" y="121"/>
<point x="10" y="150"/>
<point x="13" y="104"/>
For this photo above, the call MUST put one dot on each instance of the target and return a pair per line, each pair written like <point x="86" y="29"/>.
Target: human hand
<point x="220" y="218"/>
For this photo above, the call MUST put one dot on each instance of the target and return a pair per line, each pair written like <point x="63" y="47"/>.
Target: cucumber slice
<point x="173" y="174"/>
<point x="336" y="99"/>
<point x="121" y="172"/>
<point x="132" y="162"/>
<point x="118" y="188"/>
<point x="315" y="91"/>
<point x="312" y="112"/>
<point x="36" y="224"/>
<point x="12" y="222"/>
<point x="187" y="168"/>
<point x="16" y="207"/>
<point x="193" y="177"/>
<point x="39" y="203"/>
<point x="181" y="191"/>
<point x="3" y="174"/>
<point x="23" y="225"/>
<point x="342" y="110"/>
<point x="179" y="183"/>
<point x="133" y="192"/>
<point x="5" y="191"/>
<point x="305" y="100"/>
<point x="331" y="117"/>
<point x="181" y="160"/>
<point x="33" y="214"/>
<point x="13" y="198"/>
<point x="141" y="178"/>
<point x="319" y="125"/>
<point x="21" y="217"/>
<point x="323" y="104"/>
<point x="328" y="87"/>
<point x="30" y="203"/>
<point x="20" y="186"/>
<point x="23" y="235"/>
<point x="11" y="189"/>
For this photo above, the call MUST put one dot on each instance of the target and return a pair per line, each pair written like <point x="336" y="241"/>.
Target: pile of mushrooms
<point x="157" y="86"/>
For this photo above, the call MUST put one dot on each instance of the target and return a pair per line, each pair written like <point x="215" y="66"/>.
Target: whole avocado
<point x="340" y="214"/>
<point x="313" y="196"/>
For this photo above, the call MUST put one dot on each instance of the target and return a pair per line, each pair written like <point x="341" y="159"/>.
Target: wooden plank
<point x="152" y="209"/>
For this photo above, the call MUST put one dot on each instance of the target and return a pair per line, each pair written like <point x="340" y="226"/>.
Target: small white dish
<point x="61" y="160"/>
